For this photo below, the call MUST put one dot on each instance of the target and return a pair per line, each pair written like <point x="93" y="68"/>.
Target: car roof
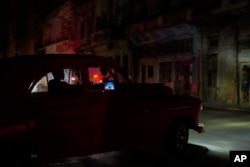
<point x="20" y="70"/>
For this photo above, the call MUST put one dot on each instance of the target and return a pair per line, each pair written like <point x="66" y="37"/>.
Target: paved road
<point x="225" y="131"/>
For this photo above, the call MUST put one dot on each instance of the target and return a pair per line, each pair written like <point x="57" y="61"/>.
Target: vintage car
<point x="96" y="108"/>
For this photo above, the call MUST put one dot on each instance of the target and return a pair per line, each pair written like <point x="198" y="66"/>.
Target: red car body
<point x="88" y="118"/>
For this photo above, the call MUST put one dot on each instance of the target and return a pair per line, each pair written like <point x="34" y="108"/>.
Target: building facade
<point x="200" y="48"/>
<point x="169" y="55"/>
<point x="167" y="48"/>
<point x="21" y="28"/>
<point x="225" y="52"/>
<point x="58" y="31"/>
<point x="108" y="40"/>
<point x="68" y="28"/>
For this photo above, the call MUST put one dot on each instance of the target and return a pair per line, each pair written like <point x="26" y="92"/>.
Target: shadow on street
<point x="151" y="156"/>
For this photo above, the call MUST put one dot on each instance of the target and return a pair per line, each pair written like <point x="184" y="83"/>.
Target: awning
<point x="164" y="34"/>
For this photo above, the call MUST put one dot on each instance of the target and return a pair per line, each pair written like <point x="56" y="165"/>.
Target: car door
<point x="121" y="116"/>
<point x="13" y="124"/>
<point x="13" y="116"/>
<point x="135" y="120"/>
<point x="63" y="120"/>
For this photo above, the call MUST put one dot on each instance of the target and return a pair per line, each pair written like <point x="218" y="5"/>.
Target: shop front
<point x="176" y="73"/>
<point x="170" y="56"/>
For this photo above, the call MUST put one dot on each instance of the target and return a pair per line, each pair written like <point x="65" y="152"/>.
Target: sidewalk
<point x="228" y="107"/>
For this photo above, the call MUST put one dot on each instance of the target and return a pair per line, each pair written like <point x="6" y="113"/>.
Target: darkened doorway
<point x="244" y="83"/>
<point x="212" y="68"/>
<point x="183" y="77"/>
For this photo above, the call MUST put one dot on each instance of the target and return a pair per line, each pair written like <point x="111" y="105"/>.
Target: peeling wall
<point x="227" y="66"/>
<point x="231" y="34"/>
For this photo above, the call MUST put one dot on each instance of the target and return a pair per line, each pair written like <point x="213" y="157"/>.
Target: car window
<point x="104" y="78"/>
<point x="58" y="82"/>
<point x="119" y="77"/>
<point x="41" y="85"/>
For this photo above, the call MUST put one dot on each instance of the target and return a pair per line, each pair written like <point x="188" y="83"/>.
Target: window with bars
<point x="165" y="72"/>
<point x="212" y="70"/>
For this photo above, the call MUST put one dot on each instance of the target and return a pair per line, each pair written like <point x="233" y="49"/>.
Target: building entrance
<point x="244" y="83"/>
<point x="177" y="75"/>
<point x="212" y="71"/>
<point x="183" y="77"/>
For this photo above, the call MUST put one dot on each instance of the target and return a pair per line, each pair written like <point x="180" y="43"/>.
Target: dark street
<point x="224" y="131"/>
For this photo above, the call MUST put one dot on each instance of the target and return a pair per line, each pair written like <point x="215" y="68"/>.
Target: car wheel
<point x="177" y="138"/>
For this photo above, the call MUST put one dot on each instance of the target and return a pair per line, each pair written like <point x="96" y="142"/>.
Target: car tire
<point x="176" y="140"/>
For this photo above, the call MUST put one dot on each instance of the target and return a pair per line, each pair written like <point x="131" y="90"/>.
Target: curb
<point x="241" y="109"/>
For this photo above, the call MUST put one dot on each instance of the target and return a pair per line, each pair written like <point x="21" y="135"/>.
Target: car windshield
<point x="99" y="75"/>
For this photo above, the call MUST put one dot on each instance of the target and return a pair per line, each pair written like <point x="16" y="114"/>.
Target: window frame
<point x="114" y="72"/>
<point x="46" y="73"/>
